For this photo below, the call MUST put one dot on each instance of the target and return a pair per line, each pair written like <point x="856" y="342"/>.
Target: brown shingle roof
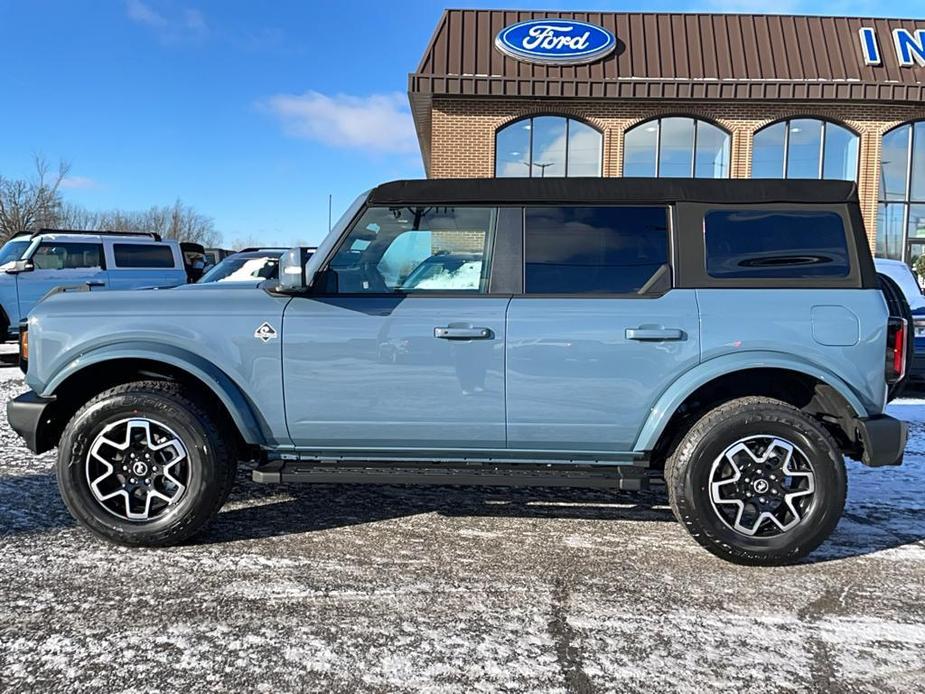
<point x="671" y="56"/>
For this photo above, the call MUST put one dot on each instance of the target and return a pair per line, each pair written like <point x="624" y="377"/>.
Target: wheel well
<point x="809" y="394"/>
<point x="77" y="389"/>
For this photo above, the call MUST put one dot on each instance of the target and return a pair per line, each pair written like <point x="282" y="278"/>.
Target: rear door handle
<point x="451" y="333"/>
<point x="654" y="334"/>
<point x="95" y="283"/>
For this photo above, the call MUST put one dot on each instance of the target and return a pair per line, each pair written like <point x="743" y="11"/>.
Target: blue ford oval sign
<point x="555" y="41"/>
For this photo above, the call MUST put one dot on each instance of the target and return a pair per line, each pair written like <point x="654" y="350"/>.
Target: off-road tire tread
<point x="769" y="409"/>
<point x="222" y="450"/>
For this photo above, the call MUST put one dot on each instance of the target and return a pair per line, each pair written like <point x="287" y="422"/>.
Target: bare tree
<point x="249" y="241"/>
<point x="33" y="203"/>
<point x="178" y="221"/>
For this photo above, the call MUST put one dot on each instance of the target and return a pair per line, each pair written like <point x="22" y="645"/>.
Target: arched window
<point x="545" y="146"/>
<point x="901" y="217"/>
<point x="805" y="148"/>
<point x="676" y="147"/>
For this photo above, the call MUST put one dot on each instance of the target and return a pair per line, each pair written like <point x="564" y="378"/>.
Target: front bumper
<point x="883" y="439"/>
<point x="28" y="416"/>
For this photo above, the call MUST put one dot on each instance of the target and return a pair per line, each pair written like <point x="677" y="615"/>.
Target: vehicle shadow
<point x="292" y="509"/>
<point x="30" y="504"/>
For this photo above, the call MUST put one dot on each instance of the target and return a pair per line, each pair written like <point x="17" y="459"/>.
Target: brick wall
<point x="463" y="131"/>
<point x="457" y="241"/>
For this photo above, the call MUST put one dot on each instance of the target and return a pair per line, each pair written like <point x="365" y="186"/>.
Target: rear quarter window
<point x="780" y="244"/>
<point x="142" y="255"/>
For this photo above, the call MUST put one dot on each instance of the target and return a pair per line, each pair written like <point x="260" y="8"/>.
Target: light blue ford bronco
<point x="727" y="337"/>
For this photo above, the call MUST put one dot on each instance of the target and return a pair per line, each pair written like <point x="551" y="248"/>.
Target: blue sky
<point x="253" y="112"/>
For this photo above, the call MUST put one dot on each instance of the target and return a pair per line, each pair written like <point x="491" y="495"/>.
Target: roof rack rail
<point x="150" y="234"/>
<point x="264" y="248"/>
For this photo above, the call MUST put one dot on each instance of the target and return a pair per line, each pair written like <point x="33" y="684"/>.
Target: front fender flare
<point x="707" y="371"/>
<point x="224" y="388"/>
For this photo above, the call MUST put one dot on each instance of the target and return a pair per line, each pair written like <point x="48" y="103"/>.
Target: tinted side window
<point x="579" y="250"/>
<point x="775" y="244"/>
<point x="67" y="256"/>
<point x="415" y="249"/>
<point x="143" y="255"/>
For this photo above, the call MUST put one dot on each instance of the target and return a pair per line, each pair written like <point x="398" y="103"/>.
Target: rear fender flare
<point x="707" y="371"/>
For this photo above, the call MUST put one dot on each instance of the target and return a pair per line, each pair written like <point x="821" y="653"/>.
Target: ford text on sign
<point x="555" y="41"/>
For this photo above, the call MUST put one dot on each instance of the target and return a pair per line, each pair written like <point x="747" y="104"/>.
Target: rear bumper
<point x="27" y="414"/>
<point x="883" y="439"/>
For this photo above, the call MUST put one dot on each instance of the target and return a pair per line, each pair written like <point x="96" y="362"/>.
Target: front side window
<point x="13" y="250"/>
<point x="67" y="256"/>
<point x="546" y="147"/>
<point x="805" y="148"/>
<point x="142" y="255"/>
<point x="901" y="216"/>
<point x="676" y="148"/>
<point x="582" y="250"/>
<point x="414" y="249"/>
<point x="780" y="244"/>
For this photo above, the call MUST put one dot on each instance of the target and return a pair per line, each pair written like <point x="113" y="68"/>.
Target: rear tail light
<point x="896" y="343"/>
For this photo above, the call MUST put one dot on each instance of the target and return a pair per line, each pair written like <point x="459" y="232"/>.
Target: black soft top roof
<point x="610" y="190"/>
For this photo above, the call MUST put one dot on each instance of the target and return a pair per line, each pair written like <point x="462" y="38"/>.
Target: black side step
<point x="624" y="477"/>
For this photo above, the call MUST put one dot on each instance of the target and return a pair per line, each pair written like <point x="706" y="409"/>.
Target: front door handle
<point x="95" y="283"/>
<point x="451" y="333"/>
<point x="654" y="334"/>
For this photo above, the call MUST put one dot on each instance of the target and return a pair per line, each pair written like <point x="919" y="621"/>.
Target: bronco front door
<point x="401" y="344"/>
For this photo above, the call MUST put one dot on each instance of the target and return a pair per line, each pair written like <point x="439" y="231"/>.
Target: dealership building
<point x="501" y="93"/>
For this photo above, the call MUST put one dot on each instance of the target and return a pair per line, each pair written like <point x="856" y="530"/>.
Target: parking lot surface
<point x="456" y="590"/>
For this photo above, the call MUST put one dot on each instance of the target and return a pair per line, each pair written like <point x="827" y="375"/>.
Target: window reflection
<point x="547" y="146"/>
<point x="901" y="215"/>
<point x="805" y="148"/>
<point x="640" y="150"/>
<point x="676" y="147"/>
<point x="768" y="151"/>
<point x="676" y="151"/>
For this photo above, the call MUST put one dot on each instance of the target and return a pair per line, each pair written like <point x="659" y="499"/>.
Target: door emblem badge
<point x="266" y="332"/>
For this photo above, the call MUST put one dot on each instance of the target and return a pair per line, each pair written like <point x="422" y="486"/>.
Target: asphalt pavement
<point x="392" y="589"/>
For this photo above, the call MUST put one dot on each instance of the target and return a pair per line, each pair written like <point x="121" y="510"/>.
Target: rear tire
<point x="756" y="481"/>
<point x="146" y="463"/>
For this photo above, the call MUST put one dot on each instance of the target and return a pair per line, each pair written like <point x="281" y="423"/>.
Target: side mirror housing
<point x="20" y="266"/>
<point x="292" y="275"/>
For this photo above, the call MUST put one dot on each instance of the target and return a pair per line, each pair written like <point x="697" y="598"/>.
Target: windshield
<point x="331" y="239"/>
<point x="13" y="250"/>
<point x="235" y="269"/>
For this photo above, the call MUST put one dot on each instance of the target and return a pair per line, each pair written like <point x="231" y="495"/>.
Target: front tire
<point x="757" y="481"/>
<point x="146" y="463"/>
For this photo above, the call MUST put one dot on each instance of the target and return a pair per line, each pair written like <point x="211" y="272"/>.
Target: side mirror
<point x="20" y="266"/>
<point x="292" y="275"/>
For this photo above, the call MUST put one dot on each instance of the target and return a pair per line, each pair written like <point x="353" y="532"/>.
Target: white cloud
<point x="188" y="23"/>
<point x="378" y="122"/>
<point x="78" y="183"/>
<point x="139" y="12"/>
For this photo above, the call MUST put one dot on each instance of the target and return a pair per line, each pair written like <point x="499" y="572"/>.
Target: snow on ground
<point x="457" y="590"/>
